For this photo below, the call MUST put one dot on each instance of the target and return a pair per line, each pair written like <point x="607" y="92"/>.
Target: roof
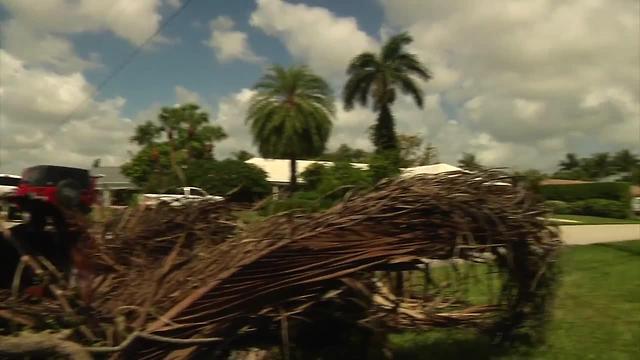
<point x="279" y="171"/>
<point x="429" y="169"/>
<point x="112" y="178"/>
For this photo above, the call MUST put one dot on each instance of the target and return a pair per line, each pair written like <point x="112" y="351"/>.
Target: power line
<point x="132" y="55"/>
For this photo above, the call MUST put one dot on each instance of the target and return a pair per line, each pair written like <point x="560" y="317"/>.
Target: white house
<point x="279" y="170"/>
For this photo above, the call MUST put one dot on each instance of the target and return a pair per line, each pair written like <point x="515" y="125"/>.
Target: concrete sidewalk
<point x="592" y="234"/>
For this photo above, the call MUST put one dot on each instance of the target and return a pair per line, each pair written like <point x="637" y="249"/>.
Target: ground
<point x="596" y="314"/>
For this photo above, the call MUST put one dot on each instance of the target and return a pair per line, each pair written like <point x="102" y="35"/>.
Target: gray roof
<point x="112" y="178"/>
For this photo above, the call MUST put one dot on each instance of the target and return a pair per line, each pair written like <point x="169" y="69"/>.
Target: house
<point x="112" y="185"/>
<point x="279" y="170"/>
<point x="429" y="169"/>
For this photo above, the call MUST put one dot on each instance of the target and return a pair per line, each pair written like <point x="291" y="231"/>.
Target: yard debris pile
<point x="179" y="282"/>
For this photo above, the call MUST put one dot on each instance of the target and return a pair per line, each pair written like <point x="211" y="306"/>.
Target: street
<point x="591" y="234"/>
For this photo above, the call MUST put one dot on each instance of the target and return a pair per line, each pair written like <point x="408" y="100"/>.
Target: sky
<point x="517" y="83"/>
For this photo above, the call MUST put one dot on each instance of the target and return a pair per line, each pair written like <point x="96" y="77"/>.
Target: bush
<point x="558" y="207"/>
<point x="600" y="207"/>
<point x="325" y="180"/>
<point x="304" y="201"/>
<point x="617" y="191"/>
<point x="247" y="182"/>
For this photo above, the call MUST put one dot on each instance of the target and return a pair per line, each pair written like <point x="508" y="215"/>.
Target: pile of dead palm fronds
<point x="183" y="281"/>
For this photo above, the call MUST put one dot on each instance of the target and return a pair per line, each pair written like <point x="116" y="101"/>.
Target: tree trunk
<point x="174" y="165"/>
<point x="293" y="180"/>
<point x="384" y="133"/>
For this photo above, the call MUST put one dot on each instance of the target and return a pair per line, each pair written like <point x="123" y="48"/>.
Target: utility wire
<point x="132" y="55"/>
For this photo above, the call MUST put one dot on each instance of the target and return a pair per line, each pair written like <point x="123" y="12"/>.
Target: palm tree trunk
<point x="174" y="165"/>
<point x="384" y="132"/>
<point x="294" y="176"/>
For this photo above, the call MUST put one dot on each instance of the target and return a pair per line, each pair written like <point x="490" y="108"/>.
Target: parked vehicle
<point x="179" y="196"/>
<point x="8" y="186"/>
<point x="50" y="195"/>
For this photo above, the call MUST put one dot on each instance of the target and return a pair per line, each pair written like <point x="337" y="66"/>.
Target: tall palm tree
<point x="624" y="160"/>
<point x="570" y="162"/>
<point x="290" y="115"/>
<point x="379" y="76"/>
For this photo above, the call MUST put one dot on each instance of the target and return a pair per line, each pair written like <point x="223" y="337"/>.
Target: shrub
<point x="617" y="191"/>
<point x="303" y="201"/>
<point x="247" y="182"/>
<point x="600" y="207"/>
<point x="558" y="207"/>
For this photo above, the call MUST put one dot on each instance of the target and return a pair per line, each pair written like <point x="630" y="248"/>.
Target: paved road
<point x="592" y="234"/>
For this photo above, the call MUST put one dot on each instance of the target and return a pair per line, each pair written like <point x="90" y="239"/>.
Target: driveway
<point x="592" y="234"/>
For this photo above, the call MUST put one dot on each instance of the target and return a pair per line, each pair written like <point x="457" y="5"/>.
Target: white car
<point x="8" y="185"/>
<point x="180" y="196"/>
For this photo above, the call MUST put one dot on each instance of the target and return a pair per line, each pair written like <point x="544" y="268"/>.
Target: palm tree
<point x="469" y="162"/>
<point x="379" y="76"/>
<point x="624" y="160"/>
<point x="290" y="115"/>
<point x="570" y="162"/>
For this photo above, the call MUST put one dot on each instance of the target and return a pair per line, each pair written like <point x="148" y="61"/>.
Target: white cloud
<point x="34" y="125"/>
<point x="231" y="113"/>
<point x="174" y="3"/>
<point x="527" y="81"/>
<point x="313" y="35"/>
<point x="184" y="95"/>
<point x="130" y="20"/>
<point x="229" y="44"/>
<point x="39" y="48"/>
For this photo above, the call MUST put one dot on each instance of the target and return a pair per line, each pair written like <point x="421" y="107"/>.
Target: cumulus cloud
<point x="229" y="44"/>
<point x="38" y="48"/>
<point x="529" y="80"/>
<point x="174" y="3"/>
<point x="34" y="122"/>
<point x="313" y="35"/>
<point x="130" y="20"/>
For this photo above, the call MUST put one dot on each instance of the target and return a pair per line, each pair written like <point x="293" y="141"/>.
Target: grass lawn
<point x="593" y="220"/>
<point x="596" y="314"/>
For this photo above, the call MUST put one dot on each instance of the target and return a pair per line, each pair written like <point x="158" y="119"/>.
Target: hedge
<point x="616" y="191"/>
<point x="591" y="207"/>
<point x="600" y="207"/>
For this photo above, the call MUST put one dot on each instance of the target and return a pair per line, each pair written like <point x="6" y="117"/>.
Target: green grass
<point x="596" y="314"/>
<point x="593" y="220"/>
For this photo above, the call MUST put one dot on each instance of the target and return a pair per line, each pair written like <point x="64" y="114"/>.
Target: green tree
<point x="597" y="166"/>
<point x="346" y="153"/>
<point x="409" y="147"/>
<point x="290" y="116"/>
<point x="570" y="162"/>
<point x="412" y="153"/>
<point x="242" y="155"/>
<point x="624" y="160"/>
<point x="180" y="135"/>
<point x="529" y="179"/>
<point x="231" y="178"/>
<point x="379" y="76"/>
<point x="429" y="155"/>
<point x="469" y="162"/>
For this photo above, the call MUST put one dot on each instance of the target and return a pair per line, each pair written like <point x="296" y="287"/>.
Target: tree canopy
<point x="290" y="116"/>
<point x="379" y="77"/>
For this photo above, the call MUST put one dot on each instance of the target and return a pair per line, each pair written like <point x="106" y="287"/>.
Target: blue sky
<point x="518" y="83"/>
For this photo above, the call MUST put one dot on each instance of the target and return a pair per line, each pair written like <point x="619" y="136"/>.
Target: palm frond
<point x="409" y="87"/>
<point x="394" y="46"/>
